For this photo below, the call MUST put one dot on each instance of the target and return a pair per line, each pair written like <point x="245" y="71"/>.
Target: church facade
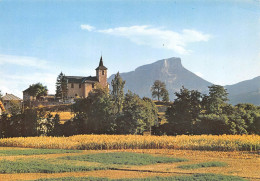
<point x="79" y="87"/>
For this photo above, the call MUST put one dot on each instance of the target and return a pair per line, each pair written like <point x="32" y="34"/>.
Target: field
<point x="111" y="142"/>
<point x="140" y="157"/>
<point x="64" y="116"/>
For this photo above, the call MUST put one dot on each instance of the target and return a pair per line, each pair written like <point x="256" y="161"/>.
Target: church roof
<point x="101" y="66"/>
<point x="11" y="97"/>
<point x="80" y="80"/>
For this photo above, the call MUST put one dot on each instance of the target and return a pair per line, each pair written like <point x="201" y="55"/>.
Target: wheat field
<point x="111" y="142"/>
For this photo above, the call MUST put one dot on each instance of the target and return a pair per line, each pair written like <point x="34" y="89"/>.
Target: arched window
<point x="103" y="72"/>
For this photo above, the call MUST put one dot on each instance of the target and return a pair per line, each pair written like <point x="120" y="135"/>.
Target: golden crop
<point x="108" y="142"/>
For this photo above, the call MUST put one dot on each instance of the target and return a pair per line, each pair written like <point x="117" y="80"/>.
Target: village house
<point x="10" y="99"/>
<point x="79" y="87"/>
<point x="27" y="96"/>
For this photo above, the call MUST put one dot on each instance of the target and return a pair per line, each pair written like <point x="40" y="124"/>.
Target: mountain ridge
<point x="175" y="75"/>
<point x="170" y="71"/>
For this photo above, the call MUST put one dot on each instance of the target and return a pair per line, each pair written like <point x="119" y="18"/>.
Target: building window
<point x="72" y="85"/>
<point x="103" y="72"/>
<point x="93" y="85"/>
<point x="76" y="95"/>
<point x="79" y="85"/>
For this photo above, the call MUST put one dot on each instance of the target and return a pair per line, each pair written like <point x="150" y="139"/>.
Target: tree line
<point x="102" y="112"/>
<point x="116" y="112"/>
<point x="196" y="113"/>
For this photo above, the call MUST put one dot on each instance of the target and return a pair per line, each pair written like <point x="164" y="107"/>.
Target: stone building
<point x="79" y="87"/>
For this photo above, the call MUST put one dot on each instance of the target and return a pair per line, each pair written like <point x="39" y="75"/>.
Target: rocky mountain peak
<point x="170" y="71"/>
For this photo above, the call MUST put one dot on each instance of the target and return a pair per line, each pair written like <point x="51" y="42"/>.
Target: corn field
<point x="109" y="142"/>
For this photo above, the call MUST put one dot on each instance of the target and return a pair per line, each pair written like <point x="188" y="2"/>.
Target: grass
<point x="195" y="177"/>
<point x="41" y="166"/>
<point x="202" y="165"/>
<point x="124" y="158"/>
<point x="35" y="152"/>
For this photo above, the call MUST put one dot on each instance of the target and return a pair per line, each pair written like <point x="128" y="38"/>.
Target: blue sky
<point x="218" y="40"/>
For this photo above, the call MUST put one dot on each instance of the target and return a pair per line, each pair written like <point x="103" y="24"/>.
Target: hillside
<point x="247" y="91"/>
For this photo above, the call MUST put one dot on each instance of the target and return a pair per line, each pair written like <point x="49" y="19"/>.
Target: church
<point x="79" y="87"/>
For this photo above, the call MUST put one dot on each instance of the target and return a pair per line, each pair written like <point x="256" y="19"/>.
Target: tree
<point x="95" y="113"/>
<point x="37" y="90"/>
<point x="131" y="120"/>
<point x="216" y="99"/>
<point x="138" y="115"/>
<point x="166" y="97"/>
<point x="151" y="114"/>
<point x="159" y="90"/>
<point x="118" y="92"/>
<point x="61" y="86"/>
<point x="29" y="123"/>
<point x="4" y="125"/>
<point x="184" y="112"/>
<point x="1" y="95"/>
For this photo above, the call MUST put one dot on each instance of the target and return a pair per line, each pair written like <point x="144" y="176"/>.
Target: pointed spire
<point x="101" y="61"/>
<point x="101" y="65"/>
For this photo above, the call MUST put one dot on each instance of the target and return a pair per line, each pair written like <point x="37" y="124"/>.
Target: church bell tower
<point x="101" y="73"/>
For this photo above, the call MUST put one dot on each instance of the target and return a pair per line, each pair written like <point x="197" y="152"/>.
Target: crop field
<point x="112" y="142"/>
<point x="64" y="116"/>
<point x="98" y="157"/>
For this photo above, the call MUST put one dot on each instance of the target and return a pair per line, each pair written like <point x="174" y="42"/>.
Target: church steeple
<point x="101" y="66"/>
<point x="101" y="61"/>
<point x="101" y="73"/>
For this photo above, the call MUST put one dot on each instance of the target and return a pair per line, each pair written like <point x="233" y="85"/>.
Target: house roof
<point x="80" y="80"/>
<point x="2" y="106"/>
<point x="11" y="97"/>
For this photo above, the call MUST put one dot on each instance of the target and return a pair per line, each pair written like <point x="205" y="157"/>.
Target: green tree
<point x="184" y="112"/>
<point x="1" y="95"/>
<point x="212" y="124"/>
<point x="61" y="86"/>
<point x="57" y="128"/>
<point x="151" y="114"/>
<point x="118" y="92"/>
<point x="131" y="120"/>
<point x="37" y="90"/>
<point x="166" y="97"/>
<point x="29" y="123"/>
<point x="216" y="100"/>
<point x="159" y="90"/>
<point x="249" y="118"/>
<point x="138" y="115"/>
<point x="4" y="125"/>
<point x="95" y="113"/>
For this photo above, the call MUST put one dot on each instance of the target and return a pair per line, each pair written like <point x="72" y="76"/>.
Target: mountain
<point x="174" y="75"/>
<point x="170" y="71"/>
<point x="247" y="91"/>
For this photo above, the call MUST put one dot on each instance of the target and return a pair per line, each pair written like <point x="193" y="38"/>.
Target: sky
<point x="219" y="40"/>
